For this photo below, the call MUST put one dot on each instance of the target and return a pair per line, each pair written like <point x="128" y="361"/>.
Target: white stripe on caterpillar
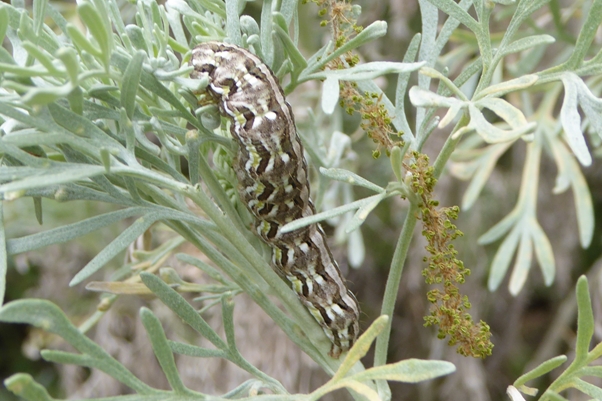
<point x="273" y="183"/>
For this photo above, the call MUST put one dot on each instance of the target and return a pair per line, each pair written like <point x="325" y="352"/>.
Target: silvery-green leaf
<point x="450" y="115"/>
<point x="216" y="7"/>
<point x="513" y="85"/>
<point x="340" y="145"/>
<point x="136" y="36"/>
<point x="202" y="265"/>
<point x="130" y="83"/>
<point x="362" y="213"/>
<point x="407" y="371"/>
<point x="522" y="265"/>
<point x="289" y="9"/>
<point x="80" y="41"/>
<point x="175" y="25"/>
<point x="543" y="252"/>
<point x="503" y="257"/>
<point x="3" y="22"/>
<point x="514" y="394"/>
<point x="512" y="115"/>
<point x="464" y="170"/>
<point x="591" y="390"/>
<point x="120" y="243"/>
<point x="397" y="162"/>
<point x="294" y="55"/>
<point x="96" y="26"/>
<point x="129" y="235"/>
<point x="46" y="315"/>
<point x="3" y="254"/>
<point x="357" y="387"/>
<point x="562" y="157"/>
<point x="570" y="173"/>
<point x="540" y="370"/>
<point x="350" y="178"/>
<point x="356" y="250"/>
<point x="52" y="65"/>
<point x="267" y="40"/>
<point x="71" y="62"/>
<point x="371" y="32"/>
<point x="39" y="96"/>
<point x="195" y="351"/>
<point x="585" y="320"/>
<point x="71" y="231"/>
<point x="249" y="25"/>
<point x="24" y="386"/>
<point x="368" y="71"/>
<point x="162" y="350"/>
<point x="527" y="43"/>
<point x="399" y="115"/>
<point x="153" y="85"/>
<point x="330" y="94"/>
<point x="571" y="120"/>
<point x="501" y="228"/>
<point x="584" y="208"/>
<point x="491" y="133"/>
<point x="316" y="218"/>
<point x="361" y="347"/>
<point x="118" y="287"/>
<point x="424" y="98"/>
<point x="53" y="177"/>
<point x="483" y="168"/>
<point x="456" y="12"/>
<point x="591" y="106"/>
<point x="233" y="22"/>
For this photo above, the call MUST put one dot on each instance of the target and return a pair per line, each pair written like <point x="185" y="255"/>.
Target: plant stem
<point x="390" y="296"/>
<point x="448" y="148"/>
<point x="301" y="316"/>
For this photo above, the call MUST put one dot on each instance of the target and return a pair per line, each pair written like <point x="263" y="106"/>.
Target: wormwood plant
<point x="76" y="109"/>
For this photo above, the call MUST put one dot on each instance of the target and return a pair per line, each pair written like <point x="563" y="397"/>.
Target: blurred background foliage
<point x="528" y="328"/>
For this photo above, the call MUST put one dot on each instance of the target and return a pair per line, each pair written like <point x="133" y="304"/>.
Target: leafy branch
<point x="572" y="376"/>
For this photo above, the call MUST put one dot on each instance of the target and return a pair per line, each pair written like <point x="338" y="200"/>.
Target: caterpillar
<point x="274" y="184"/>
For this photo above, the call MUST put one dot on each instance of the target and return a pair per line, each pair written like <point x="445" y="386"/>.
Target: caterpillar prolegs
<point x="273" y="183"/>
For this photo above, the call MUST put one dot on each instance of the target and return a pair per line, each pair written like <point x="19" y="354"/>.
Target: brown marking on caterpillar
<point x="274" y="185"/>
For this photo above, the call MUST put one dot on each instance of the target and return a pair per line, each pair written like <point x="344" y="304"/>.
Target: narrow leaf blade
<point x="585" y="320"/>
<point x="131" y="80"/>
<point x="120" y="243"/>
<point x="162" y="350"/>
<point x="71" y="231"/>
<point x="3" y="256"/>
<point x="408" y="371"/>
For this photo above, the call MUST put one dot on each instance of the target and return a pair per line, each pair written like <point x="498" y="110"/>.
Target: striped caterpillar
<point x="273" y="183"/>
